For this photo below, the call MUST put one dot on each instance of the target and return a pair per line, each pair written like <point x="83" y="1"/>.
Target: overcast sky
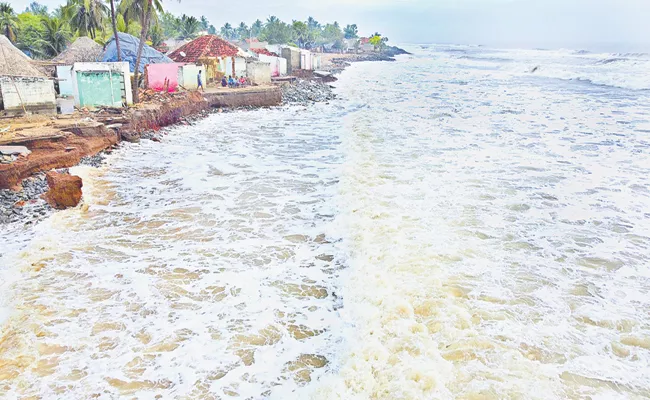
<point x="589" y="24"/>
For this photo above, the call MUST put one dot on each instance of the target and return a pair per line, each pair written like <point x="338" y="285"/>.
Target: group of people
<point x="233" y="82"/>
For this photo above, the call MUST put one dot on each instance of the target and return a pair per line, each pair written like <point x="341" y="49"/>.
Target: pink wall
<point x="157" y="73"/>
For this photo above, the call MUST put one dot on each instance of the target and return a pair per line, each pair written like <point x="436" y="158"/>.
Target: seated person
<point x="224" y="81"/>
<point x="242" y="81"/>
<point x="231" y="82"/>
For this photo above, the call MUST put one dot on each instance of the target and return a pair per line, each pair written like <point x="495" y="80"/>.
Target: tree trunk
<point x="143" y="37"/>
<point x="117" y="39"/>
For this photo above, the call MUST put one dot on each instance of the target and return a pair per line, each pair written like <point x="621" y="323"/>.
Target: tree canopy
<point x="43" y="33"/>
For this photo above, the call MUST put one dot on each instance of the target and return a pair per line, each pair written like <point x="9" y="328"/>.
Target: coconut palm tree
<point x="86" y="16"/>
<point x="189" y="27"/>
<point x="8" y="21"/>
<point x="205" y="24"/>
<point x="227" y="31"/>
<point x="256" y="28"/>
<point x="243" y="31"/>
<point x="312" y="23"/>
<point x="134" y="10"/>
<point x="55" y="36"/>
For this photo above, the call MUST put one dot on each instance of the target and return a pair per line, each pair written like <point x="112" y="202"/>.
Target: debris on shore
<point x="307" y="91"/>
<point x="27" y="204"/>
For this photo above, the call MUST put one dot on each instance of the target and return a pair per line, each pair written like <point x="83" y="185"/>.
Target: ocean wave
<point x="611" y="60"/>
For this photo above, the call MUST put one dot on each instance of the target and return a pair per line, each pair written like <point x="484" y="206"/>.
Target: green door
<point x="100" y="88"/>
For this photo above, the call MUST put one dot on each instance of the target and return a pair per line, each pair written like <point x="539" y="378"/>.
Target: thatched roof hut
<point x="14" y="62"/>
<point x="84" y="49"/>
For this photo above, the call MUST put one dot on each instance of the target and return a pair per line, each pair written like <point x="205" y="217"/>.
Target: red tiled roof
<point x="265" y="52"/>
<point x="203" y="46"/>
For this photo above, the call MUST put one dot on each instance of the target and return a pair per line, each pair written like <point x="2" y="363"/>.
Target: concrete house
<point x="278" y="64"/>
<point x="23" y="87"/>
<point x="292" y="55"/>
<point x="102" y="84"/>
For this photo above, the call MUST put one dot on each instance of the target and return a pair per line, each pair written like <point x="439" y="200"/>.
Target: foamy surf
<point x="464" y="231"/>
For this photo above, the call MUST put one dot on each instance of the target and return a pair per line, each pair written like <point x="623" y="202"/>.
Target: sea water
<point x="463" y="223"/>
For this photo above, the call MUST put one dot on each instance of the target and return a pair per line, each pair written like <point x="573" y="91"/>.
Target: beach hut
<point x="106" y="84"/>
<point x="129" y="52"/>
<point x="23" y="87"/>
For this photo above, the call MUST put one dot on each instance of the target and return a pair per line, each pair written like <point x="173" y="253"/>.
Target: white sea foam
<point x="464" y="231"/>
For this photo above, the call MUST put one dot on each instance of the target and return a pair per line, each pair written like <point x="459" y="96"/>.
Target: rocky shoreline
<point x="28" y="206"/>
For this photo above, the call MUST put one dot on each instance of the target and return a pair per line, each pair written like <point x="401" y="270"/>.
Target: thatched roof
<point x="84" y="49"/>
<point x="14" y="62"/>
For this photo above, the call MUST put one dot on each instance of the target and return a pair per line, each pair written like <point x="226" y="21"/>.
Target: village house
<point x="23" y="87"/>
<point x="216" y="55"/>
<point x="102" y="84"/>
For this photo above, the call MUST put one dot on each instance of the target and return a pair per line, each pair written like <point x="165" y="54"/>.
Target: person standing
<point x="199" y="82"/>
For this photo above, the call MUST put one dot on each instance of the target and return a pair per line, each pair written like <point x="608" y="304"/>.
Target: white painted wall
<point x="187" y="76"/>
<point x="259" y="72"/>
<point x="305" y="60"/>
<point x="28" y="92"/>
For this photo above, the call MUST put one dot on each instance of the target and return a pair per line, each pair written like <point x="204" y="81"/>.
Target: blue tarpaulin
<point x="129" y="49"/>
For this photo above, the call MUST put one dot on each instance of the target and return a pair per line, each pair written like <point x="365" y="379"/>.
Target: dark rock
<point x="130" y="137"/>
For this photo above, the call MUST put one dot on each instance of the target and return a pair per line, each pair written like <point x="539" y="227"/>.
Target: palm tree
<point x="55" y="36"/>
<point x="301" y="32"/>
<point x="189" y="27"/>
<point x="149" y="8"/>
<point x="351" y="31"/>
<point x="243" y="32"/>
<point x="205" y="24"/>
<point x="117" y="39"/>
<point x="312" y="23"/>
<point x="134" y="10"/>
<point x="227" y="31"/>
<point x="8" y="21"/>
<point x="86" y="16"/>
<point x="37" y="9"/>
<point x="256" y="28"/>
<point x="272" y="20"/>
